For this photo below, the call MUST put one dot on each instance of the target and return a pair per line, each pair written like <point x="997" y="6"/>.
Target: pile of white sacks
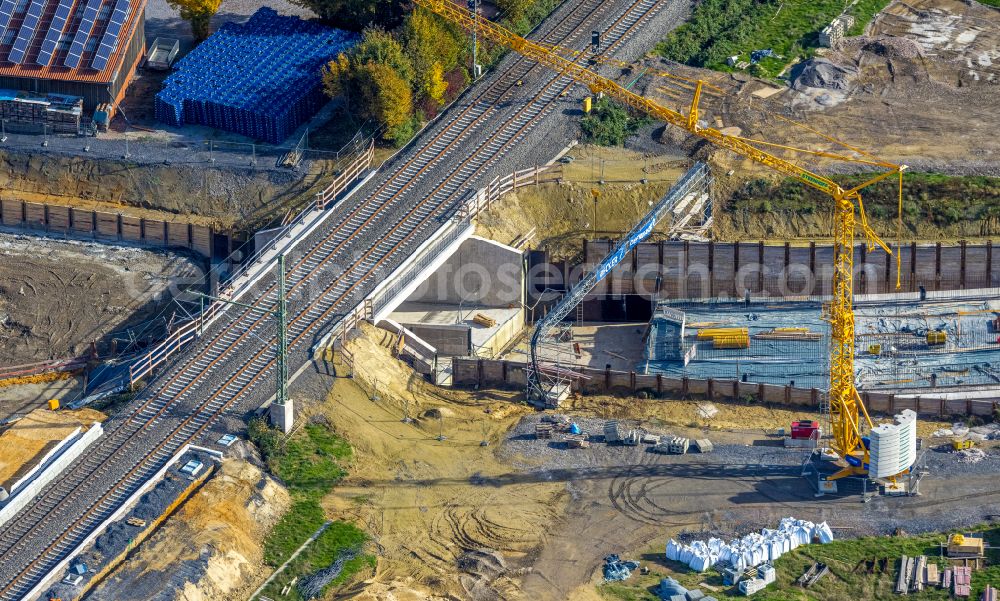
<point x="751" y="550"/>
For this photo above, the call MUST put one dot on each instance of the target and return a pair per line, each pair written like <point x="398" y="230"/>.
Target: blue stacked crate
<point x="261" y="79"/>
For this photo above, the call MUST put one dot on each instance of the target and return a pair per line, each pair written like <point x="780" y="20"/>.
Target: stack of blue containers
<point x="261" y="79"/>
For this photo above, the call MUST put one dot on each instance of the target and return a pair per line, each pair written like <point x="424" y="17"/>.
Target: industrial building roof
<point x="74" y="40"/>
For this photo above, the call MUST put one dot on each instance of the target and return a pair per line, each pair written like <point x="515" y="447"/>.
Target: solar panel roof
<point x="27" y="31"/>
<point x="55" y="32"/>
<point x="6" y="12"/>
<point x="110" y="39"/>
<point x="72" y="59"/>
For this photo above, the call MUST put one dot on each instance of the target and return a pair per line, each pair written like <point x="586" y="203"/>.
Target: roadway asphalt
<point x="211" y="380"/>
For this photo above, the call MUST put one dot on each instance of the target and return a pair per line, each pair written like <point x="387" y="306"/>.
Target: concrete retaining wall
<point x="44" y="462"/>
<point x="448" y="339"/>
<point x="487" y="373"/>
<point x="505" y="334"/>
<point x="56" y="465"/>
<point x="481" y="272"/>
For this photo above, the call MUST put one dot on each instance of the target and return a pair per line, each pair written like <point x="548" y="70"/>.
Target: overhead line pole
<point x="280" y="314"/>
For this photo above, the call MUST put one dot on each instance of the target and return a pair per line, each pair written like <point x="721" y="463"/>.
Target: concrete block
<point x="282" y="416"/>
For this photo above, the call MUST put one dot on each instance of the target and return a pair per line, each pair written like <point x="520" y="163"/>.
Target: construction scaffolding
<point x="553" y="361"/>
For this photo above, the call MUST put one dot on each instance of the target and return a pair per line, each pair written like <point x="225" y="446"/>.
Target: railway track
<point x="158" y="412"/>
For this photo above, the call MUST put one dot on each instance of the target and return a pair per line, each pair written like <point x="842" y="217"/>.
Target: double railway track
<point x="361" y="242"/>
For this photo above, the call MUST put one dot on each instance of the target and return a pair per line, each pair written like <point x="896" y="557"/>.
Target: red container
<point x="804" y="429"/>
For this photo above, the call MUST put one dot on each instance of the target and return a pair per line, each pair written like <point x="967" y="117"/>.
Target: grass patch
<point x="338" y="538"/>
<point x="719" y="29"/>
<point x="310" y="463"/>
<point x="301" y="520"/>
<point x="927" y="198"/>
<point x="618" y="591"/>
<point x="848" y="579"/>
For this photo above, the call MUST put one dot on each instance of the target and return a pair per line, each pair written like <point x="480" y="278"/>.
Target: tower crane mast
<point x="846" y="406"/>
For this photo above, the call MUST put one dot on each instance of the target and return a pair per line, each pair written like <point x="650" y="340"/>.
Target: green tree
<point x="198" y="13"/>
<point x="357" y="15"/>
<point x="609" y="124"/>
<point x="434" y="49"/>
<point x="381" y="47"/>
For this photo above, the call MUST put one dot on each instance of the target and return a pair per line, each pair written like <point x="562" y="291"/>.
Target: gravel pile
<point x="885" y="46"/>
<point x="823" y="73"/>
<point x="522" y="450"/>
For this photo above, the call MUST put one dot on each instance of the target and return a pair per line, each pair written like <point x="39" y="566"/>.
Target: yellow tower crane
<point x="846" y="406"/>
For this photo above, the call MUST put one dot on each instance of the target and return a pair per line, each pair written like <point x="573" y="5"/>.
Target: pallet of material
<point x="611" y="432"/>
<point x="577" y="441"/>
<point x="703" y="445"/>
<point x="58" y="112"/>
<point x="946" y="578"/>
<point x="484" y="320"/>
<point x="917" y="577"/>
<point x="989" y="594"/>
<point x="931" y="575"/>
<point x="790" y="334"/>
<point x="543" y="431"/>
<point x="962" y="581"/>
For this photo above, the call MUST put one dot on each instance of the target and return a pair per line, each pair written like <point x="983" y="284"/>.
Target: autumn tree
<point x="198" y="13"/>
<point x="375" y="77"/>
<point x="434" y="49"/>
<point x="385" y="97"/>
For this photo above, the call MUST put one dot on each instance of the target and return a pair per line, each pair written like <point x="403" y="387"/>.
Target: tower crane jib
<point x="846" y="406"/>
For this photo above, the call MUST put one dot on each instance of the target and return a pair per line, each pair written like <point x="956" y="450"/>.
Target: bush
<point x="269" y="440"/>
<point x="609" y="123"/>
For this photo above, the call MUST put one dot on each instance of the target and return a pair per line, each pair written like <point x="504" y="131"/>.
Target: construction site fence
<point x="192" y="329"/>
<point x="681" y="269"/>
<point x="106" y="226"/>
<point x="496" y="373"/>
<point x="171" y="345"/>
<point x="346" y="177"/>
<point x="33" y="369"/>
<point x="498" y="186"/>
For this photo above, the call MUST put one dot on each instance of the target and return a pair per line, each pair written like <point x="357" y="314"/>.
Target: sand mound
<point x="211" y="549"/>
<point x="34" y="434"/>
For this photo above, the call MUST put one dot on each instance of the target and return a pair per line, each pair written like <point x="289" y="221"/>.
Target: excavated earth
<point x="57" y="297"/>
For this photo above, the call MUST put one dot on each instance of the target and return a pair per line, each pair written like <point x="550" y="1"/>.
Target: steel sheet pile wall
<point x="260" y="79"/>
